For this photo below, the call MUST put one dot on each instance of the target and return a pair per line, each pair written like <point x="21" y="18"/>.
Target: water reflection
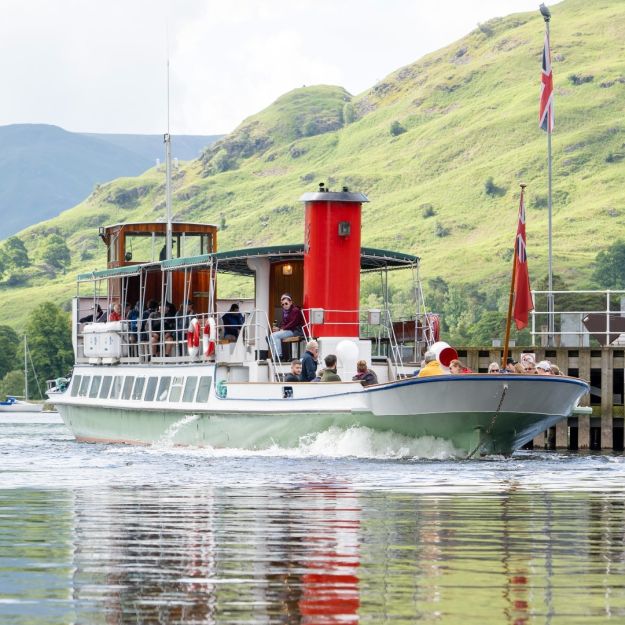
<point x="313" y="552"/>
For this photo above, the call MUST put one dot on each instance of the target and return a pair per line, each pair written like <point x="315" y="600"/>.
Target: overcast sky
<point x="100" y="65"/>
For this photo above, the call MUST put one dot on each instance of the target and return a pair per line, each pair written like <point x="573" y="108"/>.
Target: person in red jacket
<point x="291" y="325"/>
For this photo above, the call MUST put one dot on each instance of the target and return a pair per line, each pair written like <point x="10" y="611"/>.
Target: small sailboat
<point x="19" y="404"/>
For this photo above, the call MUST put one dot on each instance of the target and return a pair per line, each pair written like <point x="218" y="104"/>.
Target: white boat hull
<point x="476" y="413"/>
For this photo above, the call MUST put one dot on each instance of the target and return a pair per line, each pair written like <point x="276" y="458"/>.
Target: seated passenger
<point x="543" y="368"/>
<point x="364" y="375"/>
<point x="431" y="366"/>
<point x="456" y="367"/>
<point x="295" y="375"/>
<point x="183" y="318"/>
<point x="94" y="316"/>
<point x="165" y="313"/>
<point x="493" y="367"/>
<point x="329" y="374"/>
<point x="232" y="322"/>
<point x="291" y="325"/>
<point x="116" y="313"/>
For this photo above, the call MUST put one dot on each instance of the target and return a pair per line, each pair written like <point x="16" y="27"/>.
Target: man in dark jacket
<point x="309" y="362"/>
<point x="295" y="375"/>
<point x="291" y="325"/>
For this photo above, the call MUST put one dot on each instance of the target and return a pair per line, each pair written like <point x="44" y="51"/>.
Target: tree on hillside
<point x="8" y="349"/>
<point x="55" y="252"/>
<point x="12" y="384"/>
<point x="49" y="341"/>
<point x="13" y="256"/>
<point x="610" y="267"/>
<point x="396" y="128"/>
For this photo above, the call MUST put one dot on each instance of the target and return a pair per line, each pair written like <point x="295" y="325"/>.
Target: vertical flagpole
<point x="511" y="297"/>
<point x="550" y="307"/>
<point x="550" y="302"/>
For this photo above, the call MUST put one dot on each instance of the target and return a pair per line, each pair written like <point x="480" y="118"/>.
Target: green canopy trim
<point x="115" y="272"/>
<point x="235" y="261"/>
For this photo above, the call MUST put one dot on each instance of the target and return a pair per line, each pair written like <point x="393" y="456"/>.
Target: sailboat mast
<point x="25" y="370"/>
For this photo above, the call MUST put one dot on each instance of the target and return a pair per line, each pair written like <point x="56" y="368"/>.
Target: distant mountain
<point x="184" y="147"/>
<point x="45" y="169"/>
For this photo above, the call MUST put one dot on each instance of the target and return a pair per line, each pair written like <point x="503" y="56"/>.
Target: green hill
<point x="443" y="185"/>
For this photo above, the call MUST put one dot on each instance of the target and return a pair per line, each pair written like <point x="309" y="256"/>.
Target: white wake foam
<point x="167" y="438"/>
<point x="335" y="442"/>
<point x="363" y="442"/>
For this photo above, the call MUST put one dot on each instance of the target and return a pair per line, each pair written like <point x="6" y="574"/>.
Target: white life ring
<point x="193" y="338"/>
<point x="209" y="337"/>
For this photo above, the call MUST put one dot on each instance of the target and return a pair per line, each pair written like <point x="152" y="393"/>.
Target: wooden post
<point x="562" y="434"/>
<point x="607" y="387"/>
<point x="473" y="359"/>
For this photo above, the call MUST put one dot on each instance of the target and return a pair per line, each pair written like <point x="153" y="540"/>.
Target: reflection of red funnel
<point x="444" y="353"/>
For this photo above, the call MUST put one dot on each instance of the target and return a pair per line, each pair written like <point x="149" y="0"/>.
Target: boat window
<point x="176" y="389"/>
<point x="75" y="385"/>
<point x="117" y="387"/>
<point x="203" y="389"/>
<point x="150" y="389"/>
<point x="163" y="388"/>
<point x="128" y="386"/>
<point x="189" y="389"/>
<point x="106" y="386"/>
<point x="137" y="391"/>
<point x="84" y="385"/>
<point x="95" y="385"/>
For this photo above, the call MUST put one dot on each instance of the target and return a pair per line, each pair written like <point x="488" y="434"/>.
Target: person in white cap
<point x="543" y="367"/>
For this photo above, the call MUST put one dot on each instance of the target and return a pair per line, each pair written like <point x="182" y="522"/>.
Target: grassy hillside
<point x="444" y="185"/>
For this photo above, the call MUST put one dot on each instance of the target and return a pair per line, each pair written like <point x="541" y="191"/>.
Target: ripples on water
<point x="347" y="528"/>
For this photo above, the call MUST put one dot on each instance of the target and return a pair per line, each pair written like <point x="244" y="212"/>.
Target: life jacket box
<point x="103" y="340"/>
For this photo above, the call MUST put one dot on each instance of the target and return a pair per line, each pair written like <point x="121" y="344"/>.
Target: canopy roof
<point x="371" y="259"/>
<point x="235" y="261"/>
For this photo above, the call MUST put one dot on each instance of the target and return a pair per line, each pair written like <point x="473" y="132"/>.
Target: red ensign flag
<point x="522" y="293"/>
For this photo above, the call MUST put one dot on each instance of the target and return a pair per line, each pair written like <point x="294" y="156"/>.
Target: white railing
<point x="580" y="316"/>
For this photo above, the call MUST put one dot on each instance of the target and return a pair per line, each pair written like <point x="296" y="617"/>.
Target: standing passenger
<point x="309" y="361"/>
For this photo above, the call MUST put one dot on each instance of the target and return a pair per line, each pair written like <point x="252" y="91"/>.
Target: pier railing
<point x="581" y="318"/>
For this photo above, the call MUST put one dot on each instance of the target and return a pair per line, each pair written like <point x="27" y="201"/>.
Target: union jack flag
<point x="546" y="118"/>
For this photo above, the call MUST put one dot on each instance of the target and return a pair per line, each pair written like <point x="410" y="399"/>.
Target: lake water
<point x="347" y="528"/>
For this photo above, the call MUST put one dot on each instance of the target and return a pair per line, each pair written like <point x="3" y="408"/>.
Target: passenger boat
<point x="183" y="382"/>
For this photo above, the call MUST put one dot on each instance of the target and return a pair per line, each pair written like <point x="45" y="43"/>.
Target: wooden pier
<point x="603" y="367"/>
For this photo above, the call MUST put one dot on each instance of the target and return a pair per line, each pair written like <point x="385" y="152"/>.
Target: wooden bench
<point x="287" y="347"/>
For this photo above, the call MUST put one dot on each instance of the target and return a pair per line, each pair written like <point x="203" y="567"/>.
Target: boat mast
<point x="167" y="141"/>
